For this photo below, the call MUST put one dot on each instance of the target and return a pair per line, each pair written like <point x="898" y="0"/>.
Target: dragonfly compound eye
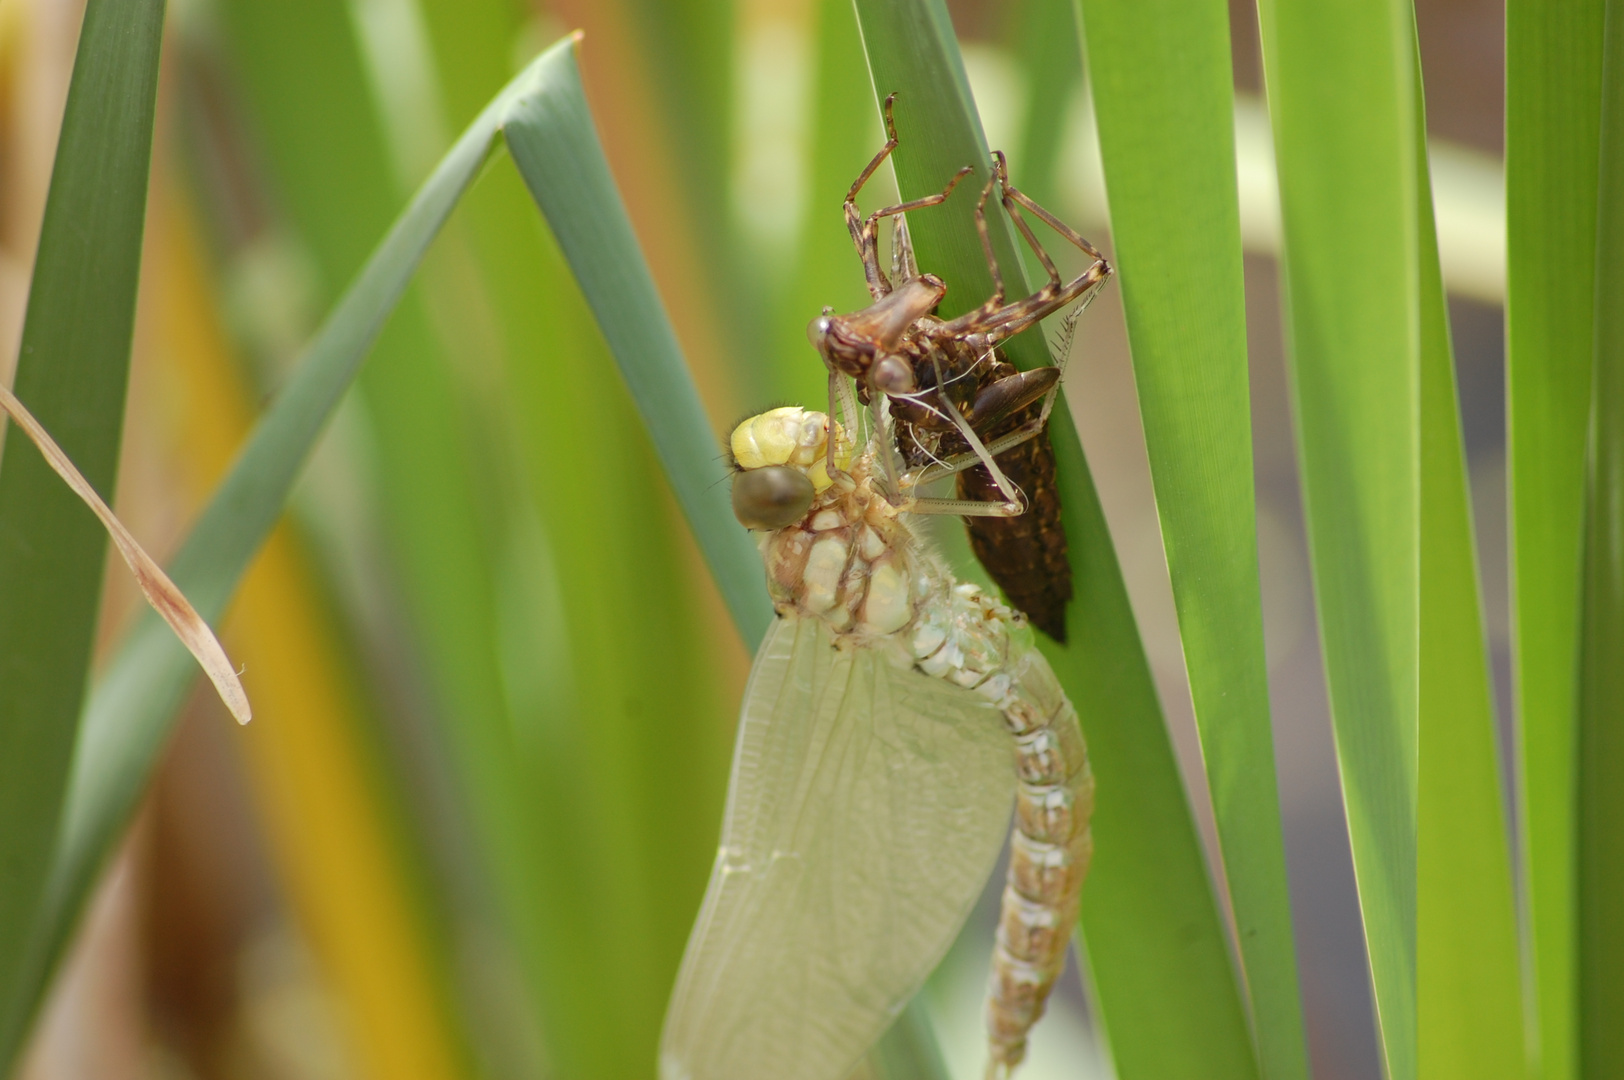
<point x="771" y="497"/>
<point x="818" y="329"/>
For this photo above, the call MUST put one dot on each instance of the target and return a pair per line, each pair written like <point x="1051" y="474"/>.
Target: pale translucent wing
<point x="867" y="805"/>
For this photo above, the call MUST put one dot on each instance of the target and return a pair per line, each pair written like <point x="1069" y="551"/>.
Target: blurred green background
<point x="468" y="830"/>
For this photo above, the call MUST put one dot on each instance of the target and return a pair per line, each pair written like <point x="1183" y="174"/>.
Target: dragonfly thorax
<point x="851" y="562"/>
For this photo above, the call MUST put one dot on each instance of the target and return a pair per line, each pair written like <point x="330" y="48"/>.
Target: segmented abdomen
<point x="1049" y="853"/>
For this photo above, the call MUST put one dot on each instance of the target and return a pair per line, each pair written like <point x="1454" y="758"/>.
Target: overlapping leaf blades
<point x="1161" y="80"/>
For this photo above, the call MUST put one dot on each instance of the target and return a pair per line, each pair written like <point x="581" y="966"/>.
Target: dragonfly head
<point x="781" y="458"/>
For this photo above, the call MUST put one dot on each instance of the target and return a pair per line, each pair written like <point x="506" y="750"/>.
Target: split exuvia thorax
<point x="841" y="554"/>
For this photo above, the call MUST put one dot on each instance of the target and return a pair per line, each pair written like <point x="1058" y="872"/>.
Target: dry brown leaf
<point x="166" y="599"/>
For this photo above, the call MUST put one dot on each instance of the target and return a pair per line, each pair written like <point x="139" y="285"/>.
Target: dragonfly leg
<point x="958" y="463"/>
<point x="865" y="234"/>
<point x="965" y="507"/>
<point x="1000" y="321"/>
<point x="1012" y="197"/>
<point x="1022" y="314"/>
<point x="1055" y="294"/>
<point x="973" y="320"/>
<point x="871" y="226"/>
<point x="886" y="444"/>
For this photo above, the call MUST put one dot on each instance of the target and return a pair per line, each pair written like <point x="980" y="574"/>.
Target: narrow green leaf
<point x="531" y="532"/>
<point x="1601" y="649"/>
<point x="1553" y="95"/>
<point x="130" y="712"/>
<point x="557" y="151"/>
<point x="1163" y="100"/>
<point x="71" y="373"/>
<point x="1468" y="986"/>
<point x="1341" y="94"/>
<point x="1156" y="945"/>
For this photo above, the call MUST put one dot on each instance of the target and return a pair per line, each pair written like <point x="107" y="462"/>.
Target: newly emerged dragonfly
<point x="950" y="389"/>
<point x="891" y="718"/>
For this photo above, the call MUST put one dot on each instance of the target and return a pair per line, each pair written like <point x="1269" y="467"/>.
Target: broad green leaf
<point x="130" y="712"/>
<point x="1156" y="946"/>
<point x="71" y="373"/>
<point x="1601" y="646"/>
<point x="1468" y="986"/>
<point x="1553" y="95"/>
<point x="1162" y="98"/>
<point x="1342" y="98"/>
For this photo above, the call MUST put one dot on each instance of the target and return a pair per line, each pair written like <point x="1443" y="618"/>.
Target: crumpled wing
<point x="867" y="805"/>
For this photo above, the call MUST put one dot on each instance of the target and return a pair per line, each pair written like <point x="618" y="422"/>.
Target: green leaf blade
<point x="578" y="196"/>
<point x="1601" y="675"/>
<point x="1341" y="96"/>
<point x="1043" y="37"/>
<point x="1468" y="984"/>
<point x="1156" y="945"/>
<point x="1162" y="97"/>
<point x="72" y="373"/>
<point x="1553" y="120"/>
<point x="1159" y="962"/>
